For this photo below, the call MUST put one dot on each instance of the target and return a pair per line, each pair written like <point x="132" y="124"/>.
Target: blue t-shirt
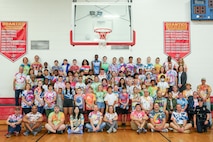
<point x="68" y="94"/>
<point x="183" y="102"/>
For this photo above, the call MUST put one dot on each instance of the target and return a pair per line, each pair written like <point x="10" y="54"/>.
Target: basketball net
<point x="102" y="36"/>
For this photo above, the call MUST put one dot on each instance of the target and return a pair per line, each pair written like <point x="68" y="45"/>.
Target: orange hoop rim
<point x="103" y="30"/>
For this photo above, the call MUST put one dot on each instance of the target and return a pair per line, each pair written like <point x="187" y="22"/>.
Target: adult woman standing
<point x="111" y="118"/>
<point x="181" y="78"/>
<point x="49" y="99"/>
<point x="27" y="99"/>
<point x="39" y="97"/>
<point x="76" y="122"/>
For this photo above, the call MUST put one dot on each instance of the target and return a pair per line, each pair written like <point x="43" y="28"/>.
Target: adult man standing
<point x="19" y="84"/>
<point x="179" y="121"/>
<point x="95" y="118"/>
<point x="204" y="91"/>
<point x="33" y="122"/>
<point x="157" y="120"/>
<point x="139" y="118"/>
<point x="201" y="117"/>
<point x="96" y="65"/>
<point x="55" y="121"/>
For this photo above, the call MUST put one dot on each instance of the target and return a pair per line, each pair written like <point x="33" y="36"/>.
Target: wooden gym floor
<point x="123" y="135"/>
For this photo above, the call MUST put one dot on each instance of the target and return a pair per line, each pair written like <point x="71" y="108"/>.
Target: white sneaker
<point x="170" y="129"/>
<point x="152" y="130"/>
<point x="109" y="131"/>
<point x="114" y="130"/>
<point x="165" y="130"/>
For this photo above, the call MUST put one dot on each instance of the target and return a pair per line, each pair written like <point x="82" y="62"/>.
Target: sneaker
<point x="170" y="129"/>
<point x="26" y="133"/>
<point x="48" y="132"/>
<point x="81" y="132"/>
<point x="59" y="132"/>
<point x="139" y="131"/>
<point x="16" y="133"/>
<point x="114" y="130"/>
<point x="89" y="130"/>
<point x="165" y="130"/>
<point x="34" y="133"/>
<point x="69" y="131"/>
<point x="144" y="130"/>
<point x="109" y="131"/>
<point x="8" y="135"/>
<point x="152" y="130"/>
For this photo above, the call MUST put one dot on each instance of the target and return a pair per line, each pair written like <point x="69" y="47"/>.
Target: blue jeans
<point x="16" y="129"/>
<point x="17" y="93"/>
<point x="89" y="127"/>
<point x="208" y="106"/>
<point x="41" y="109"/>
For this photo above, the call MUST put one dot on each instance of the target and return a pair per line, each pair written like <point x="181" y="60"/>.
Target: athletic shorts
<point x="68" y="103"/>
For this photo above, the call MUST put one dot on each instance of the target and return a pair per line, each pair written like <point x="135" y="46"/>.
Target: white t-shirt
<point x="111" y="98"/>
<point x="163" y="86"/>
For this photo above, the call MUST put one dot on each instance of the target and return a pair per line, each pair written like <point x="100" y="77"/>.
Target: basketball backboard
<point x="89" y="16"/>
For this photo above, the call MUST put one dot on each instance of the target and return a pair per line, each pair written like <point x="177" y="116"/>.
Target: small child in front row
<point x="124" y="105"/>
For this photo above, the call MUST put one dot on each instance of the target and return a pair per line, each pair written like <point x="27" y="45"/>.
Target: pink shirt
<point x="138" y="114"/>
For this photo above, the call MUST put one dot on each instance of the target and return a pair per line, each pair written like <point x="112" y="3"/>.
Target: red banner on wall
<point x="13" y="39"/>
<point x="176" y="39"/>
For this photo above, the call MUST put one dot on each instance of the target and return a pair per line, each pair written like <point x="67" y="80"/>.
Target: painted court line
<point x="165" y="137"/>
<point x="41" y="136"/>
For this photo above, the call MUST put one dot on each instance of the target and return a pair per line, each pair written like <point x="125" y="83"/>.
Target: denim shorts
<point x="101" y="104"/>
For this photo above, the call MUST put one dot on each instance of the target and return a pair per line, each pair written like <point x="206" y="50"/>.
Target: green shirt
<point x="105" y="66"/>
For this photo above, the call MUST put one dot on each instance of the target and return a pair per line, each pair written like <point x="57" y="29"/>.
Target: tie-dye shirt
<point x="56" y="118"/>
<point x="179" y="117"/>
<point x="157" y="117"/>
<point x="138" y="114"/>
<point x="15" y="118"/>
<point x="50" y="95"/>
<point x="95" y="117"/>
<point x="29" y="97"/>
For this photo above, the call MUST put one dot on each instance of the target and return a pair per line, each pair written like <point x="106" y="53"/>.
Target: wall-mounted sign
<point x="177" y="39"/>
<point x="13" y="39"/>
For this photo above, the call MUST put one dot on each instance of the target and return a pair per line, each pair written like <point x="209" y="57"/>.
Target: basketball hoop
<point x="102" y="32"/>
<point x="102" y="36"/>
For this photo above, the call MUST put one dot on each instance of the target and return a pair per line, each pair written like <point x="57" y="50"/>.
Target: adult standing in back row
<point x="19" y="84"/>
<point x="96" y="65"/>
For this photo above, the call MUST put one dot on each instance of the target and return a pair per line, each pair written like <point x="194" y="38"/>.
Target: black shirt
<point x="201" y="112"/>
